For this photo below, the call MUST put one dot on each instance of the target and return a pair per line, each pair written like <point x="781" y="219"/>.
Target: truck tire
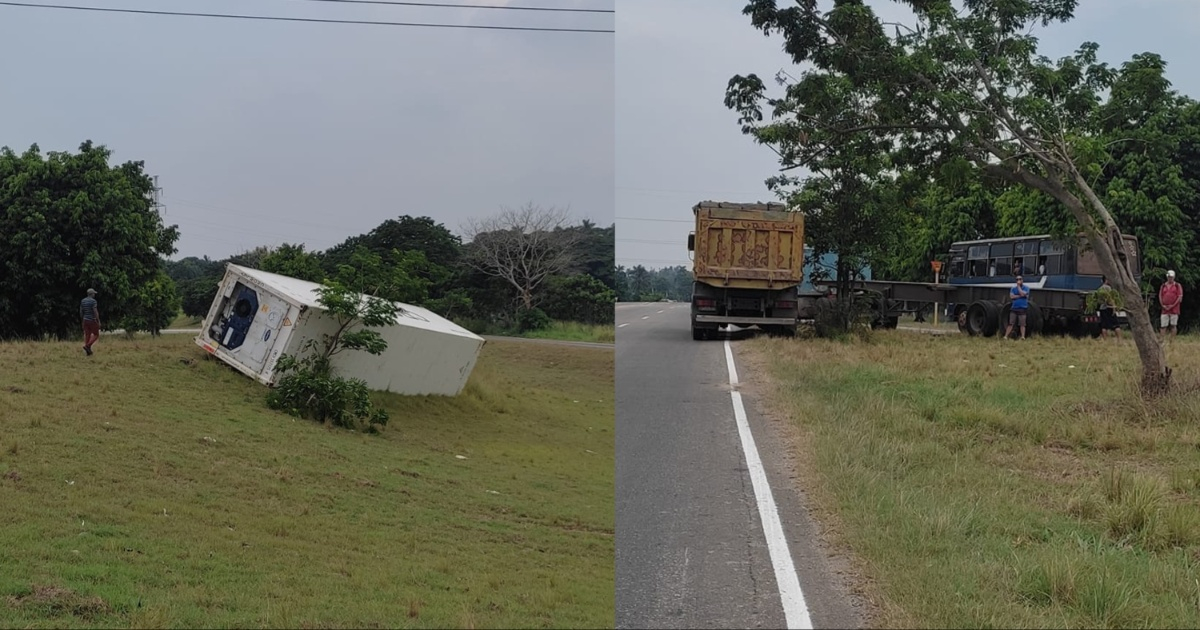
<point x="993" y="311"/>
<point x="982" y="318"/>
<point x="960" y="315"/>
<point x="1035" y="322"/>
<point x="698" y="334"/>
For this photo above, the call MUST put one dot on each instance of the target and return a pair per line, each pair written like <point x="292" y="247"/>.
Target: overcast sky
<point x="270" y="132"/>
<point x="677" y="144"/>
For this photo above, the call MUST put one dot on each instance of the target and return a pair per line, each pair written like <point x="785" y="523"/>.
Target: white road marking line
<point x="660" y="311"/>
<point x="646" y="317"/>
<point x="622" y="325"/>
<point x="795" y="611"/>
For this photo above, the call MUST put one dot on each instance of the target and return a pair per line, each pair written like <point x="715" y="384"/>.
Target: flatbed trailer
<point x="983" y="310"/>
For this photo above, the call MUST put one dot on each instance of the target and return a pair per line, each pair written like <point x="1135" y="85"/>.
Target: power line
<point x="443" y="5"/>
<point x="275" y="18"/>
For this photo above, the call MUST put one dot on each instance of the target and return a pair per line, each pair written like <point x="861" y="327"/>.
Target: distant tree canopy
<point x="72" y="221"/>
<point x="428" y="265"/>
<point x="69" y="222"/>
<point x="639" y="284"/>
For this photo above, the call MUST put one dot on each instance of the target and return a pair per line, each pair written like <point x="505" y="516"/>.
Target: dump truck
<point x="748" y="264"/>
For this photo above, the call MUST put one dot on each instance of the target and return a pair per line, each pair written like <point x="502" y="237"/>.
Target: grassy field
<point x="184" y="321"/>
<point x="148" y="486"/>
<point x="573" y="331"/>
<point x="982" y="483"/>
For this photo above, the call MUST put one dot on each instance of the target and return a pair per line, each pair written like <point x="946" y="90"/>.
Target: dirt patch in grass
<point x="54" y="601"/>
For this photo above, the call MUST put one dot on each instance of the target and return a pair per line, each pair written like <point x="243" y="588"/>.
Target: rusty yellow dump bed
<point x="748" y="245"/>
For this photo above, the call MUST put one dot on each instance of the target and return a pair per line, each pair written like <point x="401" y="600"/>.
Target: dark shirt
<point x="87" y="308"/>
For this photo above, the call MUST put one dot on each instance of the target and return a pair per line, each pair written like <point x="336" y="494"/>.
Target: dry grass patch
<point x="985" y="483"/>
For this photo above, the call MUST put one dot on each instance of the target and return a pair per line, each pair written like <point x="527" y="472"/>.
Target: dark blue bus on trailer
<point x="1044" y="262"/>
<point x="975" y="284"/>
<point x="1059" y="273"/>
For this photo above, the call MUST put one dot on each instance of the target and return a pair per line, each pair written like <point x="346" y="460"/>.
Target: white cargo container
<point x="257" y="316"/>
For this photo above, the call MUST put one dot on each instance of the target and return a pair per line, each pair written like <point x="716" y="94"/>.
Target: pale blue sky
<point x="266" y="132"/>
<point x="677" y="144"/>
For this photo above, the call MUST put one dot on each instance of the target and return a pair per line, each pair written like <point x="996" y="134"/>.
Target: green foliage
<point x="532" y="319"/>
<point x="309" y="387"/>
<point x="579" y="298"/>
<point x="639" y="284"/>
<point x="154" y="307"/>
<point x="70" y="221"/>
<point x="196" y="294"/>
<point x="308" y="391"/>
<point x="293" y="261"/>
<point x="1104" y="296"/>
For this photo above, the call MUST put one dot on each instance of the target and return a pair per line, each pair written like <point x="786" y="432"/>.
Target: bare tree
<point x="523" y="246"/>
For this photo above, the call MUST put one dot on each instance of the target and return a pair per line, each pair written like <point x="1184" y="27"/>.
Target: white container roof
<point x="305" y="293"/>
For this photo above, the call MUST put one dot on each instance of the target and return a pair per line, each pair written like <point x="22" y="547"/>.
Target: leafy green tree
<point x="252" y="258"/>
<point x="70" y="221"/>
<point x="965" y="85"/>
<point x="292" y="261"/>
<point x="192" y="267"/>
<point x="310" y="386"/>
<point x="196" y="295"/>
<point x="579" y="298"/>
<point x="154" y="307"/>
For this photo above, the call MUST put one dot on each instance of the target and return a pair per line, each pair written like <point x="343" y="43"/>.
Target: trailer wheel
<point x="982" y="318"/>
<point x="697" y="334"/>
<point x="1034" y="321"/>
<point x="960" y="314"/>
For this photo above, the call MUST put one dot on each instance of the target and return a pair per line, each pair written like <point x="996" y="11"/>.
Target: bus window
<point x="1004" y="266"/>
<point x="957" y="269"/>
<point x="1025" y="258"/>
<point x="1052" y="258"/>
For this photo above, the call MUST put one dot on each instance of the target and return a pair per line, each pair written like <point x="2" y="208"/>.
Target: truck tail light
<point x="705" y="303"/>
<point x="785" y="304"/>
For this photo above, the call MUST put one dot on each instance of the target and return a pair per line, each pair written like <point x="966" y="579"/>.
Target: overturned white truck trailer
<point x="256" y="317"/>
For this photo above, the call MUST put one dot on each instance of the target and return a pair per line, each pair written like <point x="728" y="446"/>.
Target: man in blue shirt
<point x="1020" y="306"/>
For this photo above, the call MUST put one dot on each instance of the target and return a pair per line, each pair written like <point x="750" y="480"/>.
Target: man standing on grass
<point x="1170" y="296"/>
<point x="1108" y="311"/>
<point x="90" y="311"/>
<point x="1020" y="307"/>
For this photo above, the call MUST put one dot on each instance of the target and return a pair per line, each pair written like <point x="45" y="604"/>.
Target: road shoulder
<point x="850" y="597"/>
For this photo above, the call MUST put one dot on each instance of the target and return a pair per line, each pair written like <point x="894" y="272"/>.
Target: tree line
<point x="70" y="221"/>
<point x="951" y="125"/>
<point x="639" y="284"/>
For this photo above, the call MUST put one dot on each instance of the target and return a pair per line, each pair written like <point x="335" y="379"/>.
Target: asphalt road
<point x="691" y="548"/>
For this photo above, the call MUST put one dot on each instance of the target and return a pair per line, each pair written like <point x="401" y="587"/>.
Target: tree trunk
<point x="1110" y="252"/>
<point x="1109" y="247"/>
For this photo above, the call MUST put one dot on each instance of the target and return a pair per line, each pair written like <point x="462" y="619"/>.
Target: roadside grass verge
<point x="558" y="330"/>
<point x="149" y="486"/>
<point x="983" y="483"/>
<point x="574" y="331"/>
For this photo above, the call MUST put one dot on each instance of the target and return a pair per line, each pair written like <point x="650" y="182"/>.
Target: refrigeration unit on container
<point x="258" y="316"/>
